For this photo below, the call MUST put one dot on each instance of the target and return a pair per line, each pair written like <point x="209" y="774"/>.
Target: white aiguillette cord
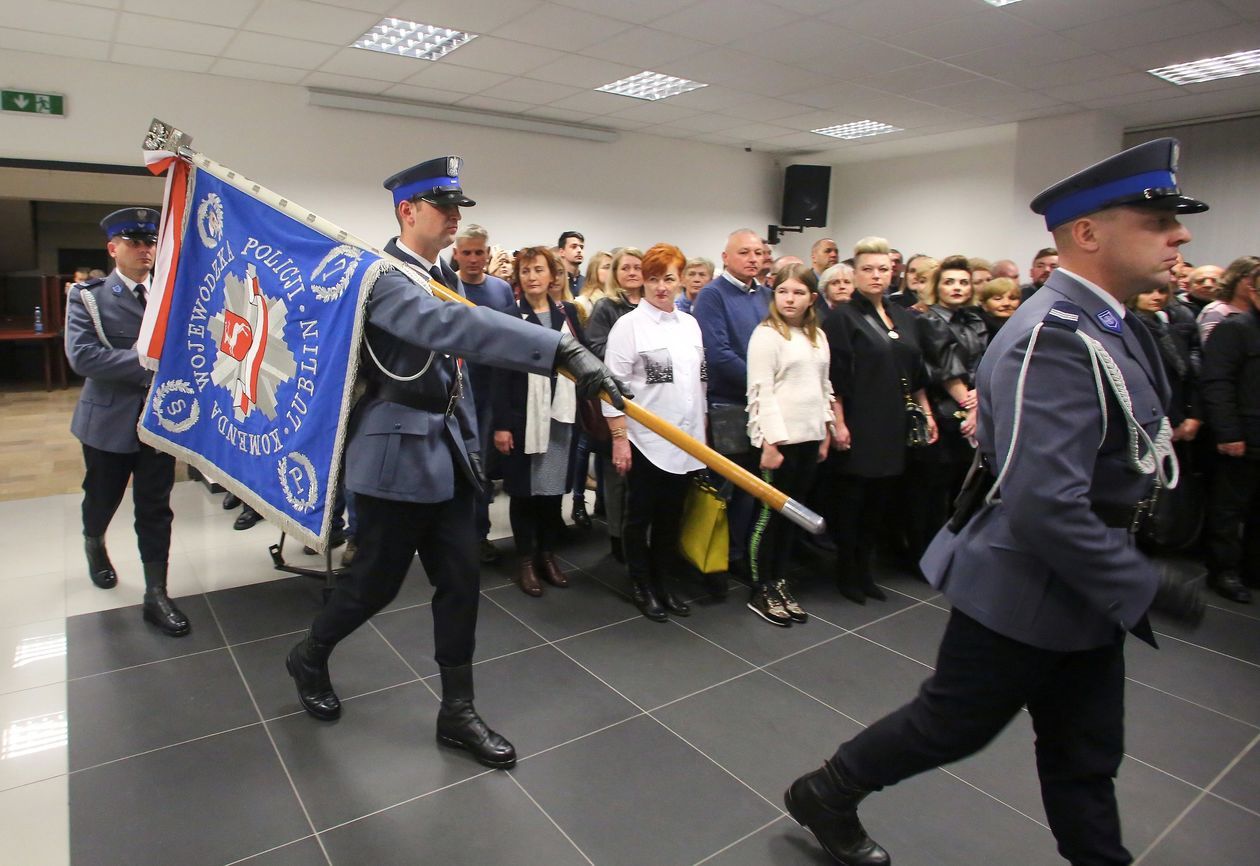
<point x="1158" y="451"/>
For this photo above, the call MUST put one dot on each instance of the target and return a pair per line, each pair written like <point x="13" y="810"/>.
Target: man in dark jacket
<point x="1231" y="397"/>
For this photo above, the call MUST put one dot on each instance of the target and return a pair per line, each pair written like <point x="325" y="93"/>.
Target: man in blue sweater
<point x="728" y="309"/>
<point x="472" y="251"/>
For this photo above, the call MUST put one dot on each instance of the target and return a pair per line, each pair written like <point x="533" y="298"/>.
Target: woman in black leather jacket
<point x="953" y="335"/>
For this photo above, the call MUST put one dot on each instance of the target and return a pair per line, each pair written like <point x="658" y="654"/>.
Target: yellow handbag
<point x="705" y="537"/>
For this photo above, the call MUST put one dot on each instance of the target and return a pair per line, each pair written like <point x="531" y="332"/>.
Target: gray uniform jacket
<point x="1038" y="565"/>
<point x="397" y="452"/>
<point x="102" y="326"/>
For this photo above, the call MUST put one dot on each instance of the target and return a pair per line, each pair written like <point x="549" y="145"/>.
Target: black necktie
<point x="436" y="273"/>
<point x="140" y="294"/>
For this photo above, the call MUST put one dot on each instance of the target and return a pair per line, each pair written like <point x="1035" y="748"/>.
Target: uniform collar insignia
<point x="117" y="289"/>
<point x="1109" y="320"/>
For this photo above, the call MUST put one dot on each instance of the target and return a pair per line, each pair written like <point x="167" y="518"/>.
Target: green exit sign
<point x="30" y="102"/>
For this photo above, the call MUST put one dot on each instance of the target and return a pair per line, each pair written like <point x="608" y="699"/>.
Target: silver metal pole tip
<point x="803" y="517"/>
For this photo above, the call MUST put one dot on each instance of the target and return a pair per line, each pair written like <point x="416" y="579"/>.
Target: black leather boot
<point x="580" y="517"/>
<point x="870" y="589"/>
<point x="644" y="598"/>
<point x="459" y="726"/>
<point x="1225" y="583"/>
<point x="850" y="585"/>
<point x="671" y="602"/>
<point x="825" y="803"/>
<point x="307" y="663"/>
<point x="158" y="608"/>
<point x="100" y="569"/>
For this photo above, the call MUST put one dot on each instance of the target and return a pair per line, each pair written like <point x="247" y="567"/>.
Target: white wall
<point x="970" y="199"/>
<point x="529" y="187"/>
<point x="958" y="201"/>
<point x="1220" y="164"/>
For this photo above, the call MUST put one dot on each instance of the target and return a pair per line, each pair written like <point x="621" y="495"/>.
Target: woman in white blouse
<point x="792" y="418"/>
<point x="658" y="351"/>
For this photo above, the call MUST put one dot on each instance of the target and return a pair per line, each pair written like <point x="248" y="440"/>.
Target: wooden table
<point x="49" y="341"/>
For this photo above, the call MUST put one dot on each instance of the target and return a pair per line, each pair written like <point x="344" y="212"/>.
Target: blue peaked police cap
<point x="133" y="223"/>
<point x="1142" y="176"/>
<point x="436" y="181"/>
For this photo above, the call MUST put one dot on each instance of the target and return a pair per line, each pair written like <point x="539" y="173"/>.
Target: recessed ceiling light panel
<point x="410" y="39"/>
<point x="651" y="86"/>
<point x="858" y="129"/>
<point x="1210" y="68"/>
<point x="1000" y="2"/>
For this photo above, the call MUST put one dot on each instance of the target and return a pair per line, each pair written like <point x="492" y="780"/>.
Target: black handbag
<point x="918" y="432"/>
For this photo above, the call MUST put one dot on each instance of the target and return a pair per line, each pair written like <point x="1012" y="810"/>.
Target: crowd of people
<point x="848" y="384"/>
<point x="816" y="376"/>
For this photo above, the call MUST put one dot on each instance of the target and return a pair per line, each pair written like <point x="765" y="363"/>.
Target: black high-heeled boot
<point x="459" y="726"/>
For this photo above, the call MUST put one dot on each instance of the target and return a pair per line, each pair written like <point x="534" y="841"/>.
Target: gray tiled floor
<point x="641" y="743"/>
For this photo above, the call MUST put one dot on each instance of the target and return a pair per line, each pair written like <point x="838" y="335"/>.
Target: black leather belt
<point x="395" y="393"/>
<point x="1128" y="517"/>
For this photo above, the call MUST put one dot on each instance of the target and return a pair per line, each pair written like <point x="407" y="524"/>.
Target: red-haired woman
<point x="657" y="350"/>
<point x="533" y="419"/>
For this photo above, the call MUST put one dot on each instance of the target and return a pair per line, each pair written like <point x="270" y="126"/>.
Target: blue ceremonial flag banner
<point x="256" y="335"/>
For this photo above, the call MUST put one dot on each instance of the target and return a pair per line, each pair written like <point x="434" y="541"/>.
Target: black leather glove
<point x="589" y="373"/>
<point x="474" y="458"/>
<point x="1179" y="599"/>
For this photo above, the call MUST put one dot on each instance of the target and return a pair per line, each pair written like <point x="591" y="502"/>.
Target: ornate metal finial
<point x="164" y="136"/>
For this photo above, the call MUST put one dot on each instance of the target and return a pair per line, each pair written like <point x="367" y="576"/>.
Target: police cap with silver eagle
<point x="435" y="181"/>
<point x="1142" y="176"/>
<point x="133" y="223"/>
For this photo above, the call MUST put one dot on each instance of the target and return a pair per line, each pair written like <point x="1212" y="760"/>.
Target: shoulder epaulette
<point x="1065" y="315"/>
<point x="89" y="284"/>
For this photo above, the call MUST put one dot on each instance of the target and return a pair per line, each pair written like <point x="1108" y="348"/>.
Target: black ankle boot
<point x="100" y="569"/>
<point x="668" y="600"/>
<point x="580" y="517"/>
<point x="158" y="608"/>
<point x="644" y="598"/>
<point x="825" y="803"/>
<point x="307" y="663"/>
<point x="1225" y="583"/>
<point x="459" y="726"/>
<point x="850" y="586"/>
<point x="870" y="589"/>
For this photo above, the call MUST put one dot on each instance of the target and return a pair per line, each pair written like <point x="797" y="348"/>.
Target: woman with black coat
<point x="533" y="418"/>
<point x="876" y="366"/>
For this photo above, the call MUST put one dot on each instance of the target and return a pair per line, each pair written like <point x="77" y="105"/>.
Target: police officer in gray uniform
<point x="1039" y="562"/>
<point x="102" y="327"/>
<point x="412" y="458"/>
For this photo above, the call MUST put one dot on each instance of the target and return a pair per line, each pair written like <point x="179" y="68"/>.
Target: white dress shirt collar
<point x="424" y="263"/>
<point x="1097" y="290"/>
<point x="738" y="283"/>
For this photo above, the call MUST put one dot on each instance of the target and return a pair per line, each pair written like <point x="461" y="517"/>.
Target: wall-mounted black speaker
<point x="805" y="190"/>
